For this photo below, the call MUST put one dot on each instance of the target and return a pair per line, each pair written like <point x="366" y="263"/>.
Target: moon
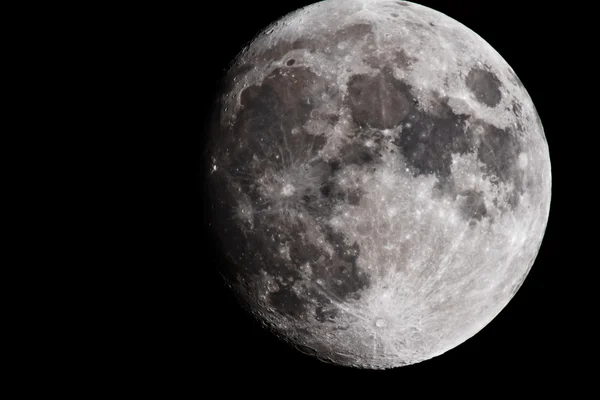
<point x="379" y="181"/>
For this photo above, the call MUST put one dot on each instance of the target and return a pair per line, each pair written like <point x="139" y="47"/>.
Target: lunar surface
<point x="379" y="181"/>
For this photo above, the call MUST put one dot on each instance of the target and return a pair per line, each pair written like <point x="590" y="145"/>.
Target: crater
<point x="326" y="314"/>
<point x="485" y="86"/>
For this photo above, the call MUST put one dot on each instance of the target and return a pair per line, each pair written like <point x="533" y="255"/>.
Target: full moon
<point x="379" y="180"/>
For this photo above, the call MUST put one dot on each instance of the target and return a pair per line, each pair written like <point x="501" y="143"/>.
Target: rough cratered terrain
<point x="379" y="179"/>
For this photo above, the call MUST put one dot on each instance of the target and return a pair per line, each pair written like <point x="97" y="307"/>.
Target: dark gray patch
<point x="431" y="24"/>
<point x="287" y="302"/>
<point x="428" y="139"/>
<point x="380" y="101"/>
<point x="516" y="108"/>
<point x="305" y="44"/>
<point x="499" y="151"/>
<point x="335" y="193"/>
<point x="303" y="252"/>
<point x="319" y="200"/>
<point x="485" y="85"/>
<point x="328" y="190"/>
<point x="403" y="60"/>
<point x="261" y="128"/>
<point x="290" y="62"/>
<point x="353" y="197"/>
<point x="357" y="153"/>
<point x="403" y="3"/>
<point x="395" y="15"/>
<point x="339" y="273"/>
<point x="473" y="205"/>
<point x="353" y="153"/>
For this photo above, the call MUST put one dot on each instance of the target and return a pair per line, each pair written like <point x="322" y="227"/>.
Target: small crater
<point x="403" y="3"/>
<point x="290" y="62"/>
<point x="431" y="24"/>
<point x="394" y="15"/>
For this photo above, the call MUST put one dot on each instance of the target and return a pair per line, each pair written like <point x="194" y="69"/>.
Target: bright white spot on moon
<point x="287" y="190"/>
<point x="523" y="160"/>
<point x="380" y="323"/>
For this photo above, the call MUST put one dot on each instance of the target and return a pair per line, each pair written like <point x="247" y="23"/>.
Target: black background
<point x="207" y="340"/>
